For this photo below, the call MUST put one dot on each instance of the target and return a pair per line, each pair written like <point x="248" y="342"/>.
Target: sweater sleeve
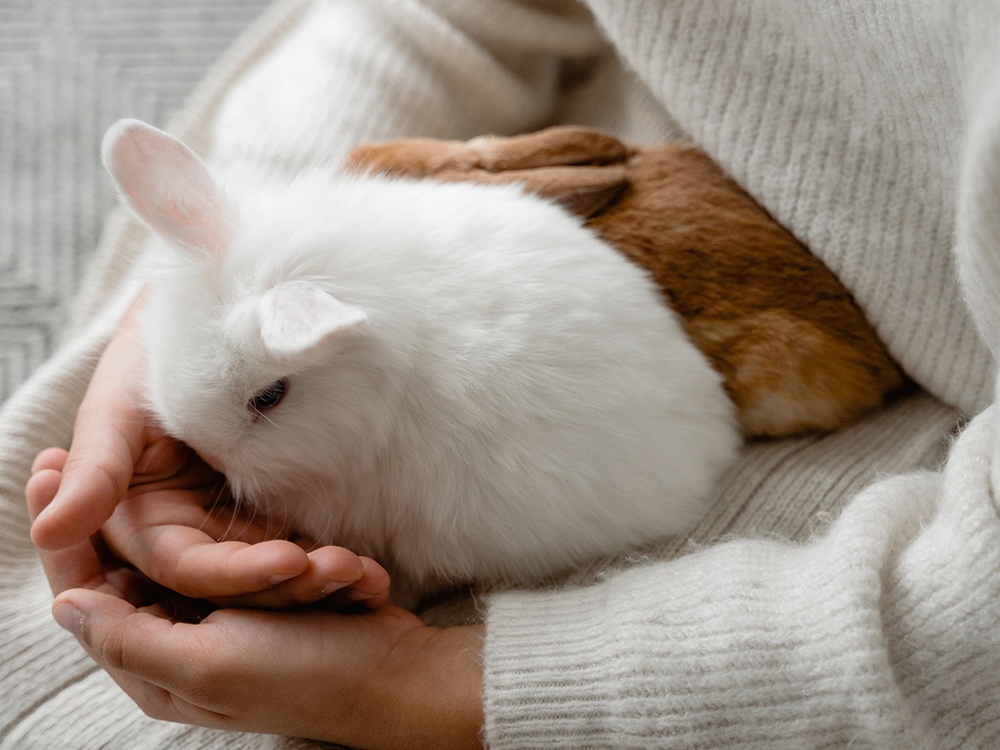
<point x="884" y="632"/>
<point x="379" y="69"/>
<point x="846" y="120"/>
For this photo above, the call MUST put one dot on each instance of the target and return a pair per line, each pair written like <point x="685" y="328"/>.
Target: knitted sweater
<point x="806" y="610"/>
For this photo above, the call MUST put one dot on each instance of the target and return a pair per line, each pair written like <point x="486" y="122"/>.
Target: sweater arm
<point x="360" y="70"/>
<point x="885" y="632"/>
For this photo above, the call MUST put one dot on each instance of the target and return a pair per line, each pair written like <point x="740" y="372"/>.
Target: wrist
<point x="439" y="688"/>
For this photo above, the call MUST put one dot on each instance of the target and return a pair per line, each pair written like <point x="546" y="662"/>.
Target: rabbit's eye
<point x="269" y="397"/>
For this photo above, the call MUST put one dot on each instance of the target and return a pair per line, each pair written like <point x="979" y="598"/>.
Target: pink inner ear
<point x="298" y="318"/>
<point x="168" y="186"/>
<point x="193" y="221"/>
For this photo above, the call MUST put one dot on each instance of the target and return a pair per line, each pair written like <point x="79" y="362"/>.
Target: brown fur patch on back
<point x="795" y="350"/>
<point x="552" y="147"/>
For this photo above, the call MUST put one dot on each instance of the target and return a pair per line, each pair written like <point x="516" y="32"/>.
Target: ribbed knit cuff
<point x="941" y="601"/>
<point x="747" y="644"/>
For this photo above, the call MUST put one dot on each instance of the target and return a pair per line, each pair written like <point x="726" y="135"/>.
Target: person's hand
<point x="376" y="679"/>
<point x="164" y="510"/>
<point x="178" y="527"/>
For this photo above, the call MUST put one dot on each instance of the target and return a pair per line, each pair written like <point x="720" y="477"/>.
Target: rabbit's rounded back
<point x="468" y="384"/>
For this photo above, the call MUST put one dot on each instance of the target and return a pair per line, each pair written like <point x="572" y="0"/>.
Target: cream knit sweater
<point x="805" y="611"/>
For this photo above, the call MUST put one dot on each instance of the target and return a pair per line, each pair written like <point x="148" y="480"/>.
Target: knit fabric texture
<point x="845" y="589"/>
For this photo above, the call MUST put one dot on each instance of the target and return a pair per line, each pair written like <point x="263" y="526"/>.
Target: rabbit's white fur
<point x="479" y="389"/>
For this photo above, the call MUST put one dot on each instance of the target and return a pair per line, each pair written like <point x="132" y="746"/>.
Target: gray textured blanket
<point x="68" y="69"/>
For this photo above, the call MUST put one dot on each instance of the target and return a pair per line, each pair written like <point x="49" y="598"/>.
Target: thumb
<point x="108" y="439"/>
<point x="111" y="629"/>
<point x="145" y="654"/>
<point x="95" y="478"/>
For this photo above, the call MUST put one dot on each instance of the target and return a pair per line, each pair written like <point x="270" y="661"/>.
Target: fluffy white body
<point x="473" y="387"/>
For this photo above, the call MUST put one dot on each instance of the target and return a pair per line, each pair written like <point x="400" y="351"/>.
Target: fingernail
<point x="69" y="618"/>
<point x="329" y="587"/>
<point x="356" y="595"/>
<point x="281" y="578"/>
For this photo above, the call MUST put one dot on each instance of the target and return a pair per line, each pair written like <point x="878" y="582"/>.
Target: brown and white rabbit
<point x="795" y="351"/>
<point x="460" y="380"/>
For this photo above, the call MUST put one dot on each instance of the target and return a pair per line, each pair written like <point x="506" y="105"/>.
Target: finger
<point x="154" y="700"/>
<point x="119" y="636"/>
<point x="371" y="589"/>
<point x="40" y="488"/>
<point x="77" y="565"/>
<point x="50" y="458"/>
<point x="205" y="509"/>
<point x="107" y="441"/>
<point x="176" y="541"/>
<point x="188" y="561"/>
<point x="332" y="570"/>
<point x="94" y="479"/>
<point x="147" y="655"/>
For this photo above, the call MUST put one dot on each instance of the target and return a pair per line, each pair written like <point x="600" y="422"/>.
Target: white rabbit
<point x="458" y="380"/>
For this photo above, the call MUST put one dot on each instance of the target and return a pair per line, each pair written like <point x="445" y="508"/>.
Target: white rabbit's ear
<point x="167" y="186"/>
<point x="298" y="320"/>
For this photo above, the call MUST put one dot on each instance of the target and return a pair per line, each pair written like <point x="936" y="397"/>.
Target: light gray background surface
<point x="68" y="69"/>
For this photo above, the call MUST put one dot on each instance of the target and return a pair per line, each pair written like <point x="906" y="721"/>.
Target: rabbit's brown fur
<point x="794" y="349"/>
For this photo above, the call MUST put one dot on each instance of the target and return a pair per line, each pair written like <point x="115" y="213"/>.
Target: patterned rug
<point x="68" y="69"/>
